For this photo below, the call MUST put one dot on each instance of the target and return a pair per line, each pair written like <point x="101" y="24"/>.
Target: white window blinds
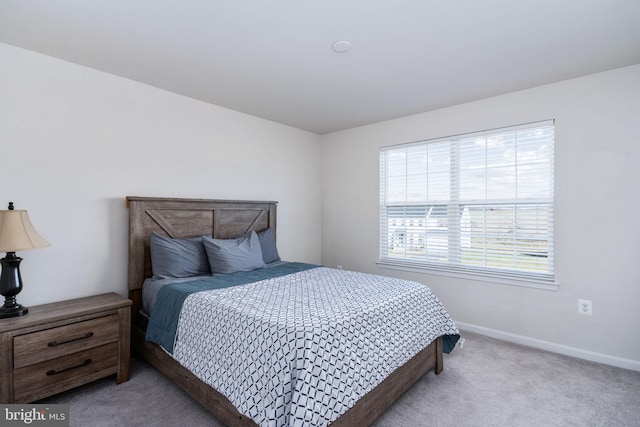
<point x="478" y="203"/>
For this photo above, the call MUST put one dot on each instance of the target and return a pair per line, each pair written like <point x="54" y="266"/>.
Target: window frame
<point x="453" y="266"/>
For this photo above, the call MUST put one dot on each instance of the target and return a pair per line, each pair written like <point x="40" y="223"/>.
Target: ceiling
<point x="274" y="59"/>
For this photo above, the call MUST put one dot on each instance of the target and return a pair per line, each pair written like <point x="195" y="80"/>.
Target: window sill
<point x="486" y="277"/>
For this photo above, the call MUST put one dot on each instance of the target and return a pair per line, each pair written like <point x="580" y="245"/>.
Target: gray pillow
<point x="178" y="257"/>
<point x="268" y="245"/>
<point x="232" y="255"/>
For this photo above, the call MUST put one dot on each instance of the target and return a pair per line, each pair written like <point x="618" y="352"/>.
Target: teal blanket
<point x="163" y="323"/>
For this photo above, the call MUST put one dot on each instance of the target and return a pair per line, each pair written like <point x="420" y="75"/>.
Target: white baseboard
<point x="619" y="362"/>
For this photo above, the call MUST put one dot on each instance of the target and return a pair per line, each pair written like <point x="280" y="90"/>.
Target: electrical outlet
<point x="585" y="306"/>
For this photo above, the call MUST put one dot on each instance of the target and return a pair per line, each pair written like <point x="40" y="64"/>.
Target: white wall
<point x="76" y="141"/>
<point x="597" y="212"/>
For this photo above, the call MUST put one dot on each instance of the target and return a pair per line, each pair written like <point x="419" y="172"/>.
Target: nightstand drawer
<point x="56" y="342"/>
<point x="65" y="372"/>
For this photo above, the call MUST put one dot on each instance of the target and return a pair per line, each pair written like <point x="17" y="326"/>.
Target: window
<point x="478" y="203"/>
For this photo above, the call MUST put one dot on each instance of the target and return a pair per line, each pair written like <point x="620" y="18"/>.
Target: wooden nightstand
<point x="62" y="345"/>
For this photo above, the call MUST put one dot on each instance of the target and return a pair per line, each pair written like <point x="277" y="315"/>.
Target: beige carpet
<point x="486" y="383"/>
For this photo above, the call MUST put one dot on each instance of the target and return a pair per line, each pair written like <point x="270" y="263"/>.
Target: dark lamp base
<point x="10" y="286"/>
<point x="15" y="311"/>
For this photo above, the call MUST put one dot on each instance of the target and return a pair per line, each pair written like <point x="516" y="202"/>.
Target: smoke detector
<point x="341" y="46"/>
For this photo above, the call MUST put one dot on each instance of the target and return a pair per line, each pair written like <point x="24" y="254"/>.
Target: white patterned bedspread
<point x="301" y="349"/>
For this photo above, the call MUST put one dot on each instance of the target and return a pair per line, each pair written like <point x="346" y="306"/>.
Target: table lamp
<point x="16" y="234"/>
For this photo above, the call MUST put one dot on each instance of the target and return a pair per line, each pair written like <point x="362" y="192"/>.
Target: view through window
<point x="476" y="203"/>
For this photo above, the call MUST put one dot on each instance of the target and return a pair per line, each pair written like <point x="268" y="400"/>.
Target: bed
<point x="223" y="219"/>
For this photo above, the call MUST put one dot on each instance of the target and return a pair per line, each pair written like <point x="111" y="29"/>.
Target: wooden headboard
<point x="183" y="218"/>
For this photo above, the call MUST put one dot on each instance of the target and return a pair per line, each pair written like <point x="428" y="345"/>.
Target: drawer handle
<point x="54" y="372"/>
<point x="56" y="343"/>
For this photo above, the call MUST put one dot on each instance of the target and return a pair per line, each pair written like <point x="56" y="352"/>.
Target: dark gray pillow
<point x="268" y="245"/>
<point x="232" y="255"/>
<point x="178" y="257"/>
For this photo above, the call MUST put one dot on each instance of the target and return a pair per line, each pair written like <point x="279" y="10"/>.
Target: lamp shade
<point x="17" y="232"/>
